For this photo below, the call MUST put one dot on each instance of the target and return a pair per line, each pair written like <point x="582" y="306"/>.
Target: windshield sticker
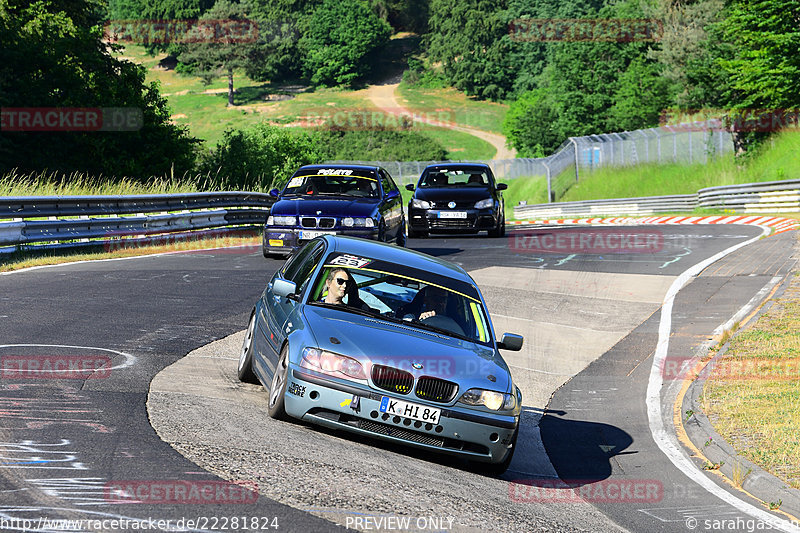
<point x="335" y="171"/>
<point x="351" y="261"/>
<point x="296" y="182"/>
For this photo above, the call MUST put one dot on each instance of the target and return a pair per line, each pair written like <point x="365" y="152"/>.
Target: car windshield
<point x="333" y="182"/>
<point x="455" y="178"/>
<point x="403" y="295"/>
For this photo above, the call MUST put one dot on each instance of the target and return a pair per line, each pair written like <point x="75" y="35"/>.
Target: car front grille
<point x="315" y="222"/>
<point x="436" y="390"/>
<point x="459" y="205"/>
<point x="392" y="379"/>
<point x="400" y="433"/>
<point x="451" y="223"/>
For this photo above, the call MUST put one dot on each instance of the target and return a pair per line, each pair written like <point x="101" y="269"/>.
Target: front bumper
<point x="429" y="220"/>
<point x="473" y="435"/>
<point x="286" y="240"/>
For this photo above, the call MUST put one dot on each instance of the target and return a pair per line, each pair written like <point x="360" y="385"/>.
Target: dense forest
<point x="560" y="66"/>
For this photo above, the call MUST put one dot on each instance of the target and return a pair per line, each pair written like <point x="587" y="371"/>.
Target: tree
<point x="340" y="40"/>
<point x="258" y="157"/>
<point x="465" y="36"/>
<point x="213" y="51"/>
<point x="641" y="97"/>
<point x="530" y="122"/>
<point x="52" y="55"/>
<point x="765" y="70"/>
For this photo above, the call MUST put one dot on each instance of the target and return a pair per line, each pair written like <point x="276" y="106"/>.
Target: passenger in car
<point x="340" y="284"/>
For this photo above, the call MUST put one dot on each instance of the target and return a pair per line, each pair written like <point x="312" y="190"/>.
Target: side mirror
<point x="410" y="187"/>
<point x="511" y="342"/>
<point x="392" y="194"/>
<point x="275" y="193"/>
<point x="502" y="186"/>
<point x="285" y="289"/>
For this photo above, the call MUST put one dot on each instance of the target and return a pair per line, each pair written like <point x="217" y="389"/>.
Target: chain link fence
<point x="578" y="156"/>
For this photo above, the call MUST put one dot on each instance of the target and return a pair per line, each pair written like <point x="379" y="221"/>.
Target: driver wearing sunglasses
<point x="340" y="284"/>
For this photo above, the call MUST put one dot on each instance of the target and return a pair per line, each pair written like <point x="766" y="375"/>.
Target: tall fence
<point x="578" y="156"/>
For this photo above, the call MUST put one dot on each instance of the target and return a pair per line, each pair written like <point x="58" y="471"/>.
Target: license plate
<point x="414" y="411"/>
<point x="452" y="214"/>
<point x="306" y="234"/>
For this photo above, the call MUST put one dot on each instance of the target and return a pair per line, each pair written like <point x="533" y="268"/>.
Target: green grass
<point x="452" y="105"/>
<point x="752" y="396"/>
<point x="778" y="159"/>
<point x="532" y="190"/>
<point x="77" y="184"/>
<point x="460" y="145"/>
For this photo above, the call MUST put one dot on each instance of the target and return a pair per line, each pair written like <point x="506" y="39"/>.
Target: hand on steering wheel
<point x="427" y="314"/>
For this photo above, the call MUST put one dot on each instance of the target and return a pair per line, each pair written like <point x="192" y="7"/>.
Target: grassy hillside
<point x="453" y="106"/>
<point x="778" y="159"/>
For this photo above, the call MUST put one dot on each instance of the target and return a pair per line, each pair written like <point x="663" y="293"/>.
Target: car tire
<point x="381" y="231"/>
<point x="497" y="469"/>
<point x="276" y="407"/>
<point x="245" y="372"/>
<point x="500" y="229"/>
<point x="402" y="237"/>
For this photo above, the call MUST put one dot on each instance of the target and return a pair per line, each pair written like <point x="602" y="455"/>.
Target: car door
<point x="298" y="270"/>
<point x="391" y="206"/>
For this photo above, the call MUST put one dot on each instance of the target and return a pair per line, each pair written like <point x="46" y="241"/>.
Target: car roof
<point x="395" y="254"/>
<point x="458" y="166"/>
<point x="336" y="165"/>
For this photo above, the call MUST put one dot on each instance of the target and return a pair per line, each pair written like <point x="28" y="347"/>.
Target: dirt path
<point x="383" y="97"/>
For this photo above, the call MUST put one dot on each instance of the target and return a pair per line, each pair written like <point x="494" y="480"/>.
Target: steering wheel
<point x="443" y="322"/>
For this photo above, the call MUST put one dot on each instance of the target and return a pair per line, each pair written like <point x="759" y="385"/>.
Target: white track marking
<point x="666" y="440"/>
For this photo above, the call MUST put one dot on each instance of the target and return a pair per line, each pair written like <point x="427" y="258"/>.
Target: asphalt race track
<point x="73" y="448"/>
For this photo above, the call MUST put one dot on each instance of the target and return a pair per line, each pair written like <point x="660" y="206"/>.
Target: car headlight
<point x="350" y="222"/>
<point x="495" y="401"/>
<point x="484" y="204"/>
<point x="420" y="204"/>
<point x="281" y="220"/>
<point x="332" y="364"/>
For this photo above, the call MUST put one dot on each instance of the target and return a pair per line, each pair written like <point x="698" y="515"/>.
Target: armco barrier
<point x="40" y="222"/>
<point x="766" y="197"/>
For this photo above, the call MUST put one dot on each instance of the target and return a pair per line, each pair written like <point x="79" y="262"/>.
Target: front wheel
<point x="402" y="239"/>
<point x="276" y="408"/>
<point x="245" y="372"/>
<point x="500" y="229"/>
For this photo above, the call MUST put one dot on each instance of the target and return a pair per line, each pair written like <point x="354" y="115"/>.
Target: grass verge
<point x="753" y="394"/>
<point x="79" y="184"/>
<point x="27" y="259"/>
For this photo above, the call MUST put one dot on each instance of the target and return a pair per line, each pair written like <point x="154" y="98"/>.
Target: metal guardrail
<point x="765" y="197"/>
<point x="72" y="221"/>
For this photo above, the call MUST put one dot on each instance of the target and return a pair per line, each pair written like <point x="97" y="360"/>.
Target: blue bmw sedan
<point x="359" y="201"/>
<point x="387" y="343"/>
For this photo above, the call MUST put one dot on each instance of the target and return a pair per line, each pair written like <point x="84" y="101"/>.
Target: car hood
<point x="461" y="194"/>
<point x="355" y="207"/>
<point x="395" y="345"/>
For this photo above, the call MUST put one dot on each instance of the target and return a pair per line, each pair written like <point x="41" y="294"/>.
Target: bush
<point x="378" y="145"/>
<point x="258" y="158"/>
